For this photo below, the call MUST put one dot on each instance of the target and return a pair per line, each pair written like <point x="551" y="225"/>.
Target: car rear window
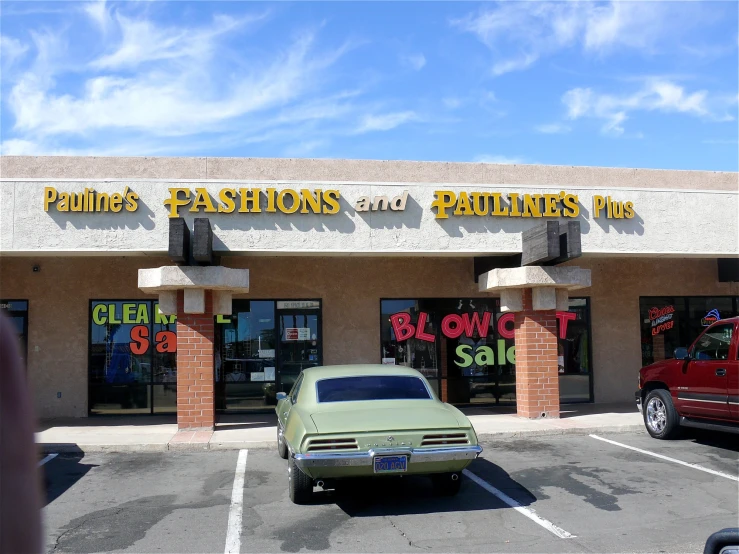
<point x="371" y="387"/>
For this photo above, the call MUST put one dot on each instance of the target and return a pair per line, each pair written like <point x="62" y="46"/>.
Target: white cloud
<point x="385" y="122"/>
<point x="552" y="129"/>
<point x="414" y="61"/>
<point x="98" y="12"/>
<point x="452" y="103"/>
<point x="488" y="159"/>
<point x="144" y="41"/>
<point x="11" y="50"/>
<point x="655" y="95"/>
<point x="520" y="33"/>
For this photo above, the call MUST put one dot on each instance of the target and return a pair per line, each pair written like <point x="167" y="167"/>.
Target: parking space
<point x="603" y="496"/>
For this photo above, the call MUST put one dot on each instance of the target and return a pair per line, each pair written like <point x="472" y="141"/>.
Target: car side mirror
<point x="681" y="353"/>
<point x="281" y="396"/>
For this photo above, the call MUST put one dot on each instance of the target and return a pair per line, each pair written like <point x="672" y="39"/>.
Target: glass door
<point x="245" y="357"/>
<point x="300" y="341"/>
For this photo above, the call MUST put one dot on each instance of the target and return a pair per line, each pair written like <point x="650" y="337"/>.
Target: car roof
<point x="354" y="370"/>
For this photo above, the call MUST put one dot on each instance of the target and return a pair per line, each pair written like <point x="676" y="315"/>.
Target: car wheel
<point x="299" y="484"/>
<point x="447" y="484"/>
<point x="660" y="416"/>
<point x="281" y="446"/>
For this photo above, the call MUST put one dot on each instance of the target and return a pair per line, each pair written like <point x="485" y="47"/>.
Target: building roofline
<point x="338" y="170"/>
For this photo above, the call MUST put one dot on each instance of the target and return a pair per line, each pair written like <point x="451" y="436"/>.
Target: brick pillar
<point x="537" y="381"/>
<point x="444" y="374"/>
<point x="195" y="371"/>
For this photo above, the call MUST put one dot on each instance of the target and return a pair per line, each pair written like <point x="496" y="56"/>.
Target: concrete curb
<point x="68" y="448"/>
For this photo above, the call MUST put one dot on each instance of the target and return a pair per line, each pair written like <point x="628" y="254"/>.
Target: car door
<point x="733" y="377"/>
<point x="704" y="384"/>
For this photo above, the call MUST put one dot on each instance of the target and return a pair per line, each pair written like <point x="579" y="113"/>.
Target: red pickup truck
<point x="698" y="388"/>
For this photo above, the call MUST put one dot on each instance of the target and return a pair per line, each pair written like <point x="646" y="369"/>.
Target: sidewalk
<point x="159" y="433"/>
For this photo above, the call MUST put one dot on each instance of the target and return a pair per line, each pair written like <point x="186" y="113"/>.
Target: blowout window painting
<point x="465" y="347"/>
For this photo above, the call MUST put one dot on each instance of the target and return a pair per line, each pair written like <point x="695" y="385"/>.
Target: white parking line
<point x="47" y="459"/>
<point x="531" y="514"/>
<point x="233" y="535"/>
<point x="662" y="457"/>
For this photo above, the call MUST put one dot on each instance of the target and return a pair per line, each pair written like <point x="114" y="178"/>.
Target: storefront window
<point x="670" y="322"/>
<point x="17" y="311"/>
<point x="132" y="365"/>
<point x="466" y="347"/>
<point x="262" y="348"/>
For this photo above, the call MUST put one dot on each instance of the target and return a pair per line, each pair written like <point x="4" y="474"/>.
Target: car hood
<point x="363" y="417"/>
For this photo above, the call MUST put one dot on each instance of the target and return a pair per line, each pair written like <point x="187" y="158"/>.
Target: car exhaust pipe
<point x="455" y="476"/>
<point x="319" y="484"/>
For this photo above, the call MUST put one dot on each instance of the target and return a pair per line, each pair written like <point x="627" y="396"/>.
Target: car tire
<point x="660" y="416"/>
<point x="446" y="484"/>
<point x="281" y="445"/>
<point x="299" y="484"/>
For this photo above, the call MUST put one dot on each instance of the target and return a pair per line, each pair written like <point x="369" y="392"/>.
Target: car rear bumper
<point x="418" y="458"/>
<point x="637" y="397"/>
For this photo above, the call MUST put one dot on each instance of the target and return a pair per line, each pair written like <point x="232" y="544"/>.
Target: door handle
<point x="720" y="372"/>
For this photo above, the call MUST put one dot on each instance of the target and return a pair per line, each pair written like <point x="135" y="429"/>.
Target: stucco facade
<point x="685" y="220"/>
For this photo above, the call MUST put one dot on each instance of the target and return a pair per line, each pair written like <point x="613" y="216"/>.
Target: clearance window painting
<point x="133" y="362"/>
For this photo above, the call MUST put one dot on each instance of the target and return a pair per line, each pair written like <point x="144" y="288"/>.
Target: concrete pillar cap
<point x="173" y="277"/>
<point x="566" y="278"/>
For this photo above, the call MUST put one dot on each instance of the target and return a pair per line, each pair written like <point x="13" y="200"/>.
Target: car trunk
<point x="353" y="417"/>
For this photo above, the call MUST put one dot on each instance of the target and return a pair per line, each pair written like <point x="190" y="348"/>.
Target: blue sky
<point x="625" y="84"/>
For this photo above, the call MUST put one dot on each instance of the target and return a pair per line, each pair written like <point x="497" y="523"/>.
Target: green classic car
<point x="366" y="421"/>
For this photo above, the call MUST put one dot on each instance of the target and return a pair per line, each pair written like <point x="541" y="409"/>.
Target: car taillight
<point x="639" y="379"/>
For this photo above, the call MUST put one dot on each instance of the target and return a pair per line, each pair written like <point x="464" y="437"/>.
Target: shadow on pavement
<point x="107" y="421"/>
<point x="415" y="494"/>
<point x="717" y="439"/>
<point x="61" y="473"/>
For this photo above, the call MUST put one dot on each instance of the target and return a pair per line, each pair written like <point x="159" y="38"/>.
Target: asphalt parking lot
<point x="547" y="494"/>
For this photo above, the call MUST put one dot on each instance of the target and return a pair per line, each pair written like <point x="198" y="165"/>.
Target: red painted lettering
<point x="564" y="318"/>
<point x="503" y="329"/>
<point x="420" y="333"/>
<point x="139" y="339"/>
<point x="482" y="326"/>
<point x="402" y="326"/>
<point x="166" y="341"/>
<point x="448" y="330"/>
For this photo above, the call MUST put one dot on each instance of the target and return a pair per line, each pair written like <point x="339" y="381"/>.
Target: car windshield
<point x="372" y="387"/>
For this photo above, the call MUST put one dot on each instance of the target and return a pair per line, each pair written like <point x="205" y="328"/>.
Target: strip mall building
<point x="348" y="262"/>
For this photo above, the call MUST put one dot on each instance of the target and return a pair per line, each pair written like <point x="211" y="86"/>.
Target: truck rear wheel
<point x="299" y="484"/>
<point x="660" y="416"/>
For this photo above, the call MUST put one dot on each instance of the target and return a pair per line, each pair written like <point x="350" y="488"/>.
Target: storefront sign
<point x="90" y="201"/>
<point x="254" y="200"/>
<point x="297" y="333"/>
<point x="298" y="304"/>
<point x="524" y="205"/>
<point x="710" y="318"/>
<point x="327" y="202"/>
<point x="662" y="319"/>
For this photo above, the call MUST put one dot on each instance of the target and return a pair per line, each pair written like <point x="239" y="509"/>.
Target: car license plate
<point x="391" y="464"/>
